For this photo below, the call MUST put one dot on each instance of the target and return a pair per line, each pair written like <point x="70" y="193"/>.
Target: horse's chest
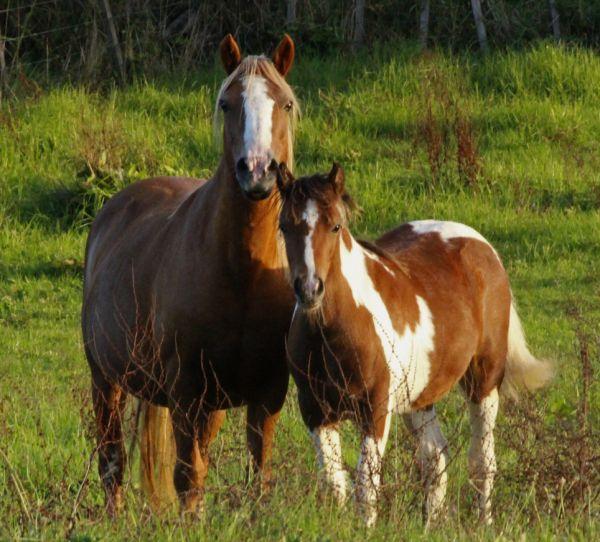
<point x="406" y="352"/>
<point x="405" y="348"/>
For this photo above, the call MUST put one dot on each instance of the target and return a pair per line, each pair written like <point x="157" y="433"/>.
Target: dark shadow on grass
<point x="54" y="269"/>
<point x="64" y="206"/>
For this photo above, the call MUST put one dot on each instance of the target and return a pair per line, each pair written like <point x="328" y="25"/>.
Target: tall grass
<point x="506" y="143"/>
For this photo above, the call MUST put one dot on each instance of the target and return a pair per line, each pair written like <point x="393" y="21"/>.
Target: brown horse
<point x="393" y="327"/>
<point x="186" y="303"/>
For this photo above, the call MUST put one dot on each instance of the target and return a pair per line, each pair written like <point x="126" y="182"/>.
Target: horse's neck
<point x="247" y="231"/>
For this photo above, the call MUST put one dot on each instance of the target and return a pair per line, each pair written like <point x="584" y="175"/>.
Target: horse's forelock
<point x="319" y="189"/>
<point x="250" y="67"/>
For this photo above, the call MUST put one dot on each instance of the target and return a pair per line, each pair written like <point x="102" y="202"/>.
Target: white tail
<point x="523" y="370"/>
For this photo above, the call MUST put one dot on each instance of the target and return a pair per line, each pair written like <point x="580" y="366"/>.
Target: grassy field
<point x="509" y="144"/>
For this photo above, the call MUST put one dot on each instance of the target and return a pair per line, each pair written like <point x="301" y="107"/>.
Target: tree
<point x="291" y="12"/>
<point x="359" y="23"/>
<point x="479" y="25"/>
<point x="555" y="19"/>
<point x="424" y="24"/>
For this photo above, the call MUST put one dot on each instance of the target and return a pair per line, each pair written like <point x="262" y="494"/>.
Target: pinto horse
<point x="186" y="302"/>
<point x="392" y="327"/>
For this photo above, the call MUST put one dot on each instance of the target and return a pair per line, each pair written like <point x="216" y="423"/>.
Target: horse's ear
<point x="336" y="178"/>
<point x="283" y="57"/>
<point x="284" y="178"/>
<point x="231" y="55"/>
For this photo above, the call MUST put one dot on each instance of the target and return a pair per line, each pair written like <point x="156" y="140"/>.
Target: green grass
<point x="535" y="116"/>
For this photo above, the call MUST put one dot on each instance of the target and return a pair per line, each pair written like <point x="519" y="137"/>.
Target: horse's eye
<point x="223" y="105"/>
<point x="283" y="228"/>
<point x="336" y="228"/>
<point x="288" y="106"/>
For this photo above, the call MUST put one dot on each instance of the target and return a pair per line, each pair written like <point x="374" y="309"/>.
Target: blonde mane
<point x="250" y="67"/>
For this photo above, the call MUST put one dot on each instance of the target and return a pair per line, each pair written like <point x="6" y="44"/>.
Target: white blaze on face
<point x="406" y="354"/>
<point x="258" y="111"/>
<point x="311" y="217"/>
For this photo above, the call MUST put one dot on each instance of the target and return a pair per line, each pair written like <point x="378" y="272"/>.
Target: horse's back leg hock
<point x="109" y="404"/>
<point x="260" y="431"/>
<point x="482" y="458"/>
<point x="433" y="460"/>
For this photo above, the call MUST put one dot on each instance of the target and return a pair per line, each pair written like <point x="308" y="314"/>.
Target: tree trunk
<point x="424" y="24"/>
<point x="555" y="19"/>
<point x="479" y="25"/>
<point x="2" y="66"/>
<point x="91" y="59"/>
<point x="359" y="23"/>
<point x="291" y="12"/>
<point x="115" y="40"/>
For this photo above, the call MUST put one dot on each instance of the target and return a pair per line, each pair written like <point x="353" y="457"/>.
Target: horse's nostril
<point x="320" y="286"/>
<point x="298" y="287"/>
<point x="242" y="165"/>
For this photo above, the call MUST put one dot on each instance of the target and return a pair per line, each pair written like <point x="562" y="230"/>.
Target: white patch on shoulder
<point x="258" y="109"/>
<point x="311" y="217"/>
<point x="449" y="230"/>
<point x="407" y="355"/>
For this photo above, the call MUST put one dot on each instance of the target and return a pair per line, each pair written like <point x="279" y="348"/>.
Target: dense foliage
<point x="71" y="38"/>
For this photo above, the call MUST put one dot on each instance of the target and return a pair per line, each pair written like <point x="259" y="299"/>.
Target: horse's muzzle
<point x="256" y="183"/>
<point x="309" y="294"/>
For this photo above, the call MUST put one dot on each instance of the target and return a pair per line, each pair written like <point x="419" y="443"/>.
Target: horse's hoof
<point x="114" y="504"/>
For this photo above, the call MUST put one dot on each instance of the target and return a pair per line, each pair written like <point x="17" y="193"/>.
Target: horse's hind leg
<point x="109" y="403"/>
<point x="432" y="454"/>
<point x="482" y="458"/>
<point x="480" y="384"/>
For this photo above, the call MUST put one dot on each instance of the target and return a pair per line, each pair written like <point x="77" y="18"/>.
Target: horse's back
<point x="150" y="201"/>
<point x="431" y="246"/>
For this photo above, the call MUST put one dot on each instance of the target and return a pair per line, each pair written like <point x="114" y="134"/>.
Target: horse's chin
<point x="257" y="195"/>
<point x="310" y="307"/>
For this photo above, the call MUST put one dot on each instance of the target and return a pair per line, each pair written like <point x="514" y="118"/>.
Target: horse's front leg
<point x="194" y="429"/>
<point x="329" y="457"/>
<point x="368" y="470"/>
<point x="260" y="431"/>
